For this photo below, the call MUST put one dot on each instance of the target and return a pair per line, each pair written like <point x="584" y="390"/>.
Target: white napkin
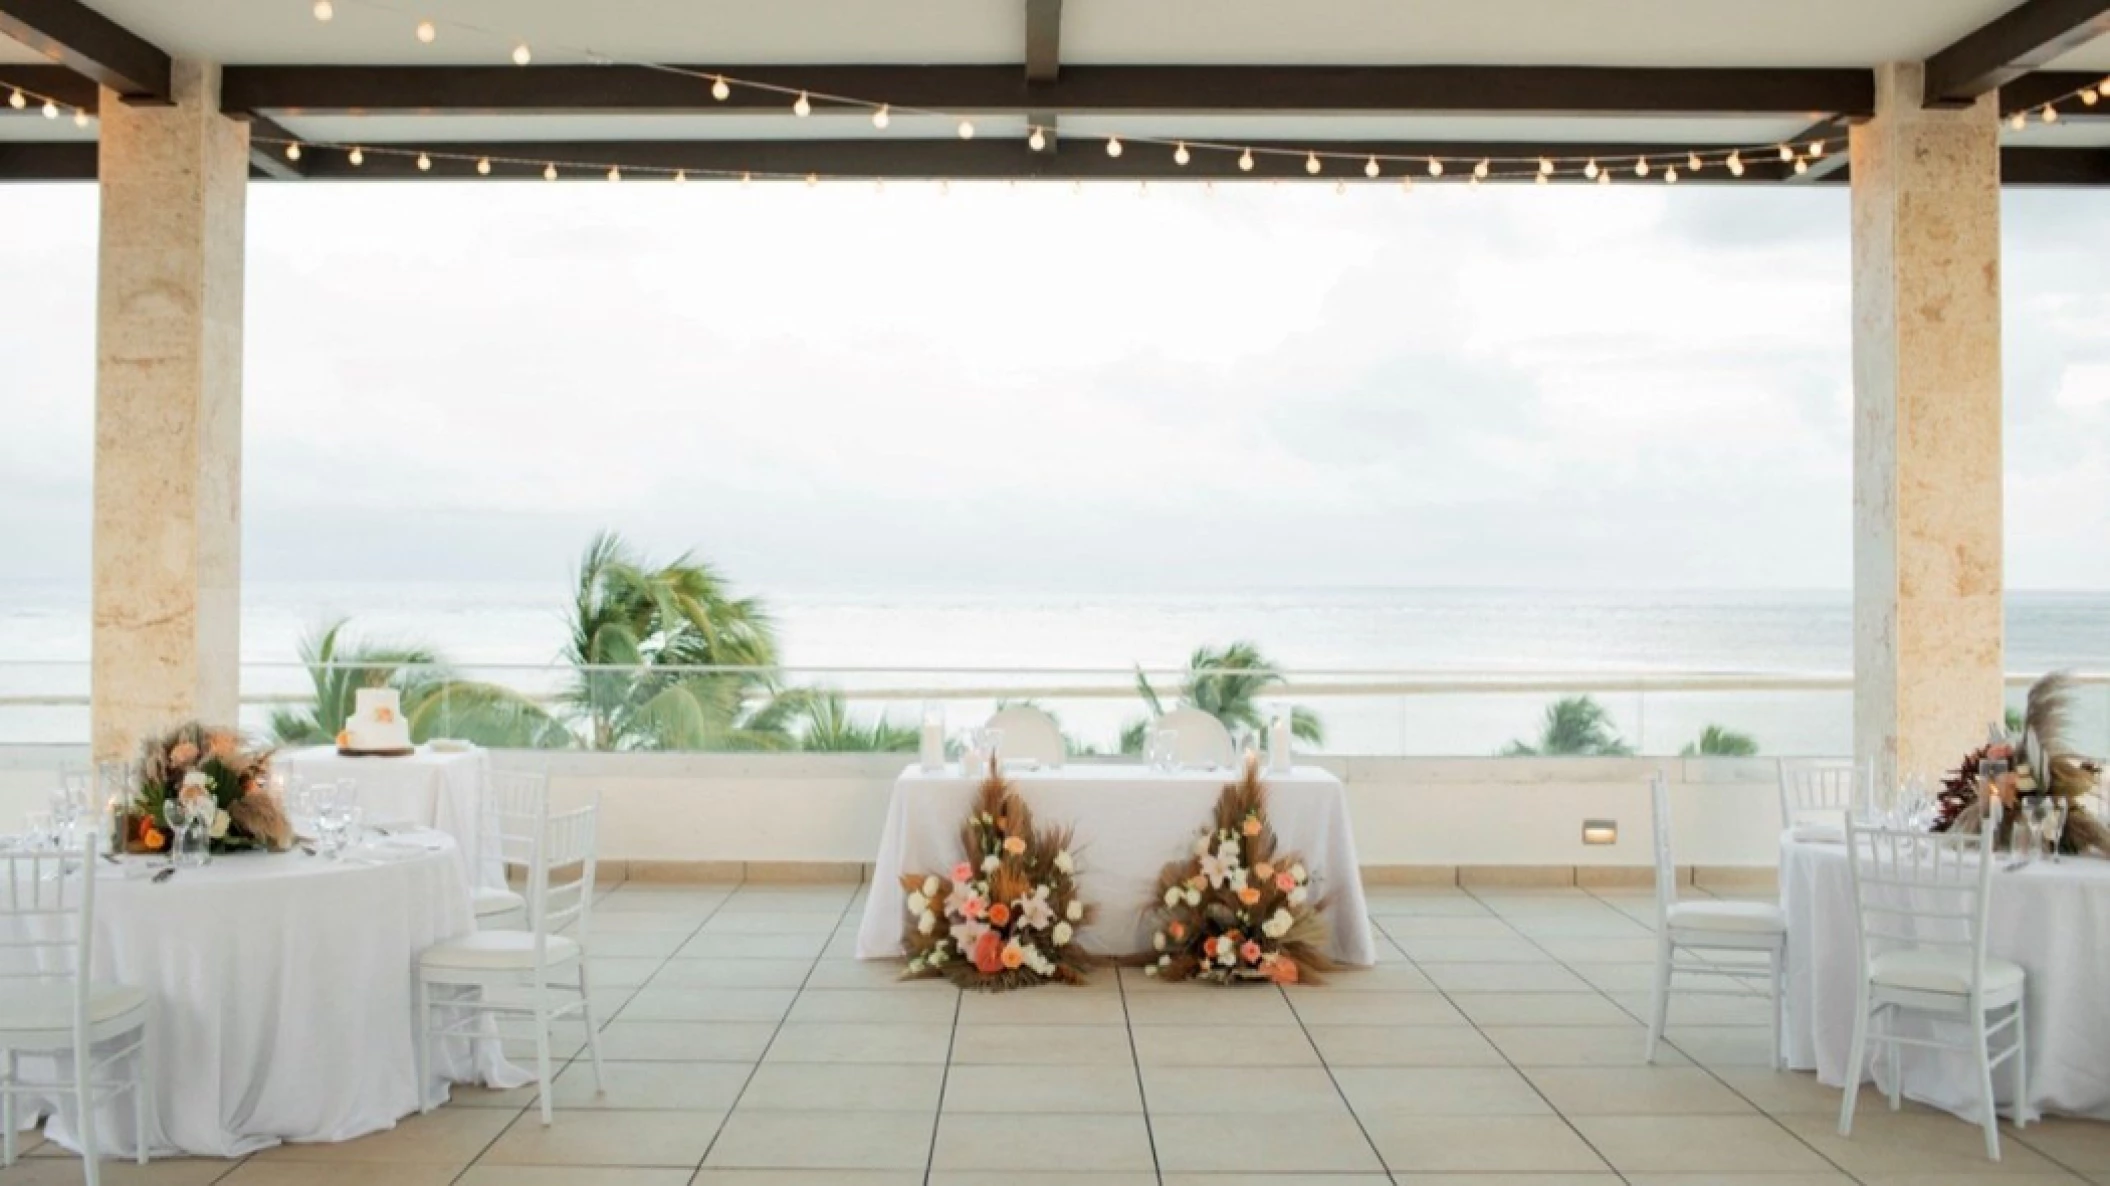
<point x="1817" y="832"/>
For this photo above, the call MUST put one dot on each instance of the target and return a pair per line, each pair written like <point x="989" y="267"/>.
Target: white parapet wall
<point x="1411" y="814"/>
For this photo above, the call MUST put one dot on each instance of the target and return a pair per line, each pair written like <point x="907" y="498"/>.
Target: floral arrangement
<point x="1007" y="916"/>
<point x="1237" y="909"/>
<point x="2039" y="763"/>
<point x="195" y="762"/>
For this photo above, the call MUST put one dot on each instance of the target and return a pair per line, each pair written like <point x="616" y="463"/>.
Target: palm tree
<point x="1574" y="725"/>
<point x="435" y="703"/>
<point x="1719" y="742"/>
<point x="640" y="634"/>
<point x="1225" y="684"/>
<point x="826" y="726"/>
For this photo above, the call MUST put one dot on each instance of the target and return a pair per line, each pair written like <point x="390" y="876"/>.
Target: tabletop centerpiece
<point x="218" y="786"/>
<point x="1007" y="915"/>
<point x="1237" y="909"/>
<point x="2036" y="762"/>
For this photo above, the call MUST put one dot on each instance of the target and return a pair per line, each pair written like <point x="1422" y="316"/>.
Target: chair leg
<point x="1985" y="1087"/>
<point x="84" y="1129"/>
<point x="1895" y="1089"/>
<point x="421" y="1035"/>
<point x="1780" y="1003"/>
<point x="1659" y="999"/>
<point x="593" y="1029"/>
<point x="7" y="1114"/>
<point x="542" y="1035"/>
<point x="142" y="1096"/>
<point x="2021" y="1108"/>
<point x="1856" y="1061"/>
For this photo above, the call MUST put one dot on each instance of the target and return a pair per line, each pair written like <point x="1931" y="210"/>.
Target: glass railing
<point x="1437" y="713"/>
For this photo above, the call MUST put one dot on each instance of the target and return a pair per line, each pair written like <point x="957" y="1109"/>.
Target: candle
<point x="1278" y="744"/>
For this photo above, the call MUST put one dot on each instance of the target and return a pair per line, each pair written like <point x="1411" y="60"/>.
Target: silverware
<point x="2011" y="866"/>
<point x="165" y="874"/>
<point x="112" y="859"/>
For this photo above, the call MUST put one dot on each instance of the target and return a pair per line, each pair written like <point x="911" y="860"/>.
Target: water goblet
<point x="2055" y="827"/>
<point x="37" y="832"/>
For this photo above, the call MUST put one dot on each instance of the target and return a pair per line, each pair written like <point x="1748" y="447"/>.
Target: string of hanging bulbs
<point x="20" y="98"/>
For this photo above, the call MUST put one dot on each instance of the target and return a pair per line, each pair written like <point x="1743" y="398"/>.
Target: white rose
<point x="196" y="778"/>
<point x="1158" y="940"/>
<point x="927" y="922"/>
<point x="1297" y="896"/>
<point x="1201" y="846"/>
<point x="220" y="823"/>
<point x="1277" y="924"/>
<point x="917" y="903"/>
<point x="1076" y="911"/>
<point x="1297" y="871"/>
<point x="992" y="863"/>
<point x="1164" y="961"/>
<point x="1172" y="896"/>
<point x="931" y="886"/>
<point x="1063" y="933"/>
<point x="1064" y="863"/>
<point x="1194" y="896"/>
<point x="1152" y="970"/>
<point x="1229" y="851"/>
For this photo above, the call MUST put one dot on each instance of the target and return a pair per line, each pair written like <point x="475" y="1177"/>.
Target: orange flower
<point x="222" y="745"/>
<point x="1209" y="947"/>
<point x="1177" y="930"/>
<point x="344" y="738"/>
<point x="1252" y="825"/>
<point x="1263" y="870"/>
<point x="151" y="836"/>
<point x="1281" y="970"/>
<point x="1285" y="882"/>
<point x="988" y="954"/>
<point x="1014" y="845"/>
<point x="1013" y="957"/>
<point x="1249" y="896"/>
<point x="999" y="914"/>
<point x="183" y="753"/>
<point x="1250" y="952"/>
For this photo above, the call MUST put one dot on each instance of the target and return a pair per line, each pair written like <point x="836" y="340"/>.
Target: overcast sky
<point x="1021" y="386"/>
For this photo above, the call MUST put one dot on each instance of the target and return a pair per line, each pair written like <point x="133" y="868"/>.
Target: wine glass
<point x="2055" y="825"/>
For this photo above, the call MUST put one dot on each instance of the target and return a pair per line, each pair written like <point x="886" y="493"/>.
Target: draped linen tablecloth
<point x="2051" y="919"/>
<point x="280" y="989"/>
<point x="429" y="788"/>
<point x="1130" y="822"/>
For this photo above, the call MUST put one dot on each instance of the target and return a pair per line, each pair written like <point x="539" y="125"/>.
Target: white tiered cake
<point x="376" y="725"/>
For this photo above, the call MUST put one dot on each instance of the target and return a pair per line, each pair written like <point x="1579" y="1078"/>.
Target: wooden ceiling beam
<point x="56" y="83"/>
<point x="90" y="44"/>
<point x="1043" y="40"/>
<point x="2011" y="45"/>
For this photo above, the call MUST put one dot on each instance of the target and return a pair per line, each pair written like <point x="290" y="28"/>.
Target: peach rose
<point x="152" y="837"/>
<point x="1014" y="845"/>
<point x="1280" y="970"/>
<point x="1252" y="825"/>
<point x="1177" y="930"/>
<point x="222" y="745"/>
<point x="972" y="908"/>
<point x="962" y="873"/>
<point x="183" y="753"/>
<point x="1013" y="957"/>
<point x="1263" y="871"/>
<point x="1209" y="947"/>
<point x="1285" y="882"/>
<point x="1250" y="953"/>
<point x="1249" y="896"/>
<point x="999" y="914"/>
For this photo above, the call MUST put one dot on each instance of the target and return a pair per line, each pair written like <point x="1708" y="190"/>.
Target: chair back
<point x="1916" y="890"/>
<point x="515" y="805"/>
<point x="1824" y="787"/>
<point x="560" y="881"/>
<point x="1029" y="733"/>
<point x="47" y="915"/>
<point x="1202" y="739"/>
<point x="1666" y="867"/>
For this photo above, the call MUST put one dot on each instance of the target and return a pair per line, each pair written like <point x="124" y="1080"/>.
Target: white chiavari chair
<point x="1029" y="733"/>
<point x="1827" y="788"/>
<point x="509" y="819"/>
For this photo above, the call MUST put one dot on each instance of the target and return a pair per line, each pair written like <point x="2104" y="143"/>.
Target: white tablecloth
<point x="2054" y="920"/>
<point x="429" y="788"/>
<point x="1130" y="822"/>
<point x="281" y="995"/>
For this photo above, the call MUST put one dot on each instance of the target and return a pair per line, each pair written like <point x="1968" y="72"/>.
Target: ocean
<point x="890" y="642"/>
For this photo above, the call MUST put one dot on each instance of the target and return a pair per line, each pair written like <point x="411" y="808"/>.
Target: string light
<point x="1435" y="167"/>
<point x="1037" y="141"/>
<point x="1473" y="181"/>
<point x="1406" y="184"/>
<point x="1180" y="155"/>
<point x="483" y="166"/>
<point x="1480" y="170"/>
<point x="681" y="176"/>
<point x="882" y="117"/>
<point x="80" y="117"/>
<point x="1640" y="166"/>
<point x="1786" y="153"/>
<point x="357" y="156"/>
<point x="1670" y="175"/>
<point x="1736" y="165"/>
<point x="1311" y="163"/>
<point x="966" y="129"/>
<point x="324" y="10"/>
<point x="721" y="90"/>
<point x="1113" y="146"/>
<point x="293" y="152"/>
<point x="2088" y="96"/>
<point x="812" y="179"/>
<point x="1371" y="168"/>
<point x="522" y="55"/>
<point x="51" y="109"/>
<point x="1590" y="170"/>
<point x="428" y="32"/>
<point x="17" y="101"/>
<point x="1245" y="161"/>
<point x="614" y="173"/>
<point x="802" y="106"/>
<point x="1801" y="165"/>
<point x="1545" y="167"/>
<point x="2051" y="114"/>
<point x="1816" y="148"/>
<point x="1692" y="162"/>
<point x="2018" y="121"/>
<point x="746" y="177"/>
<point x="549" y="172"/>
<point x="424" y="163"/>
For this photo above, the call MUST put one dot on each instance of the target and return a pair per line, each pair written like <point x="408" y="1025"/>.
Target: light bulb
<point x="1670" y="175"/>
<point x="1037" y="141"/>
<point x="1435" y="167"/>
<point x="1180" y="155"/>
<point x="2088" y="96"/>
<point x="80" y="118"/>
<point x="882" y="117"/>
<point x="1371" y="169"/>
<point x="16" y="101"/>
<point x="549" y="172"/>
<point x="428" y="32"/>
<point x="1113" y="146"/>
<point x="966" y="129"/>
<point x="1640" y="166"/>
<point x="1801" y="166"/>
<point x="681" y="176"/>
<point x="812" y="179"/>
<point x="292" y="152"/>
<point x="522" y="55"/>
<point x="1245" y="161"/>
<point x="1311" y="163"/>
<point x="1736" y="165"/>
<point x="357" y="156"/>
<point x="2051" y="114"/>
<point x="424" y="163"/>
<point x="323" y="10"/>
<point x="1816" y="148"/>
<point x="483" y="166"/>
<point x="1480" y="170"/>
<point x="1692" y="162"/>
<point x="1590" y="170"/>
<point x="802" y="106"/>
<point x="51" y="109"/>
<point x="721" y="90"/>
<point x="614" y="173"/>
<point x="1545" y="166"/>
<point x="1786" y="153"/>
<point x="2018" y="121"/>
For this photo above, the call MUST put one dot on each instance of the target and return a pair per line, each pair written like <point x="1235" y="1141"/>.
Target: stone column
<point x="168" y="413"/>
<point x="1927" y="430"/>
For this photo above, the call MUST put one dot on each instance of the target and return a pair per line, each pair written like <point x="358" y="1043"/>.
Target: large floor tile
<point x="657" y="1041"/>
<point x="1289" y="1091"/>
<point x="1440" y="1091"/>
<point x="1052" y="1006"/>
<point x="1404" y="1046"/>
<point x="1907" y="1143"/>
<point x="873" y="1005"/>
<point x="1044" y="1045"/>
<point x="1202" y="1004"/>
<point x="1539" y="1008"/>
<point x="1723" y="1045"/>
<point x="745" y="946"/>
<point x="1389" y="977"/>
<point x="448" y="1136"/>
<point x="708" y="1176"/>
<point x="1042" y="1089"/>
<point x="772" y="922"/>
<point x="845" y="1087"/>
<point x="607" y="1138"/>
<point x="861" y="1042"/>
<point x="1399" y="1008"/>
<point x="1829" y="1178"/>
<point x="257" y="1173"/>
<point x="1480" y="1144"/>
<point x="1044" y="1178"/>
<point x="708" y="1004"/>
<point x="1077" y="1143"/>
<point x="854" y="973"/>
<point x="1262" y="1143"/>
<point x="1456" y="978"/>
<point x="1219" y="1046"/>
<point x="2077" y="1144"/>
<point x="1577" y="1046"/>
<point x="1413" y="1179"/>
<point x="754" y="1139"/>
<point x="571" y="1175"/>
<point x="1446" y="926"/>
<point x="1636" y="1091"/>
<point x="747" y="973"/>
<point x="653" y="1086"/>
<point x="1473" y="951"/>
<point x="1697" y="1144"/>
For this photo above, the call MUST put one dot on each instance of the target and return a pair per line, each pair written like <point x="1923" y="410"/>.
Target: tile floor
<point x="1497" y="1044"/>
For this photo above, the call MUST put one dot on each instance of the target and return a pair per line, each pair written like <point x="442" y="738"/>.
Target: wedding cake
<point x="376" y="725"/>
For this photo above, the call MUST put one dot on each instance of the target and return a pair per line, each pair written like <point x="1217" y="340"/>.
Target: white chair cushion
<point x="1755" y="917"/>
<point x="1936" y="970"/>
<point x="50" y="1006"/>
<point x="495" y="951"/>
<point x="497" y="901"/>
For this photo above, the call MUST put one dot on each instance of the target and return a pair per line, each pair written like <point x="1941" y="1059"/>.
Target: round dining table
<point x="2051" y="918"/>
<point x="280" y="988"/>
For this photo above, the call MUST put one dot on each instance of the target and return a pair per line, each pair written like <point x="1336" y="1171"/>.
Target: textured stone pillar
<point x="1927" y="463"/>
<point x="168" y="413"/>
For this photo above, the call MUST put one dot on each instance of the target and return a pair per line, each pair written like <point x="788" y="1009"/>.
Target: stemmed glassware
<point x="190" y="829"/>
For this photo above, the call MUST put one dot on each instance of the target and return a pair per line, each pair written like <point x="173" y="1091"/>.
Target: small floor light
<point x="1600" y="831"/>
